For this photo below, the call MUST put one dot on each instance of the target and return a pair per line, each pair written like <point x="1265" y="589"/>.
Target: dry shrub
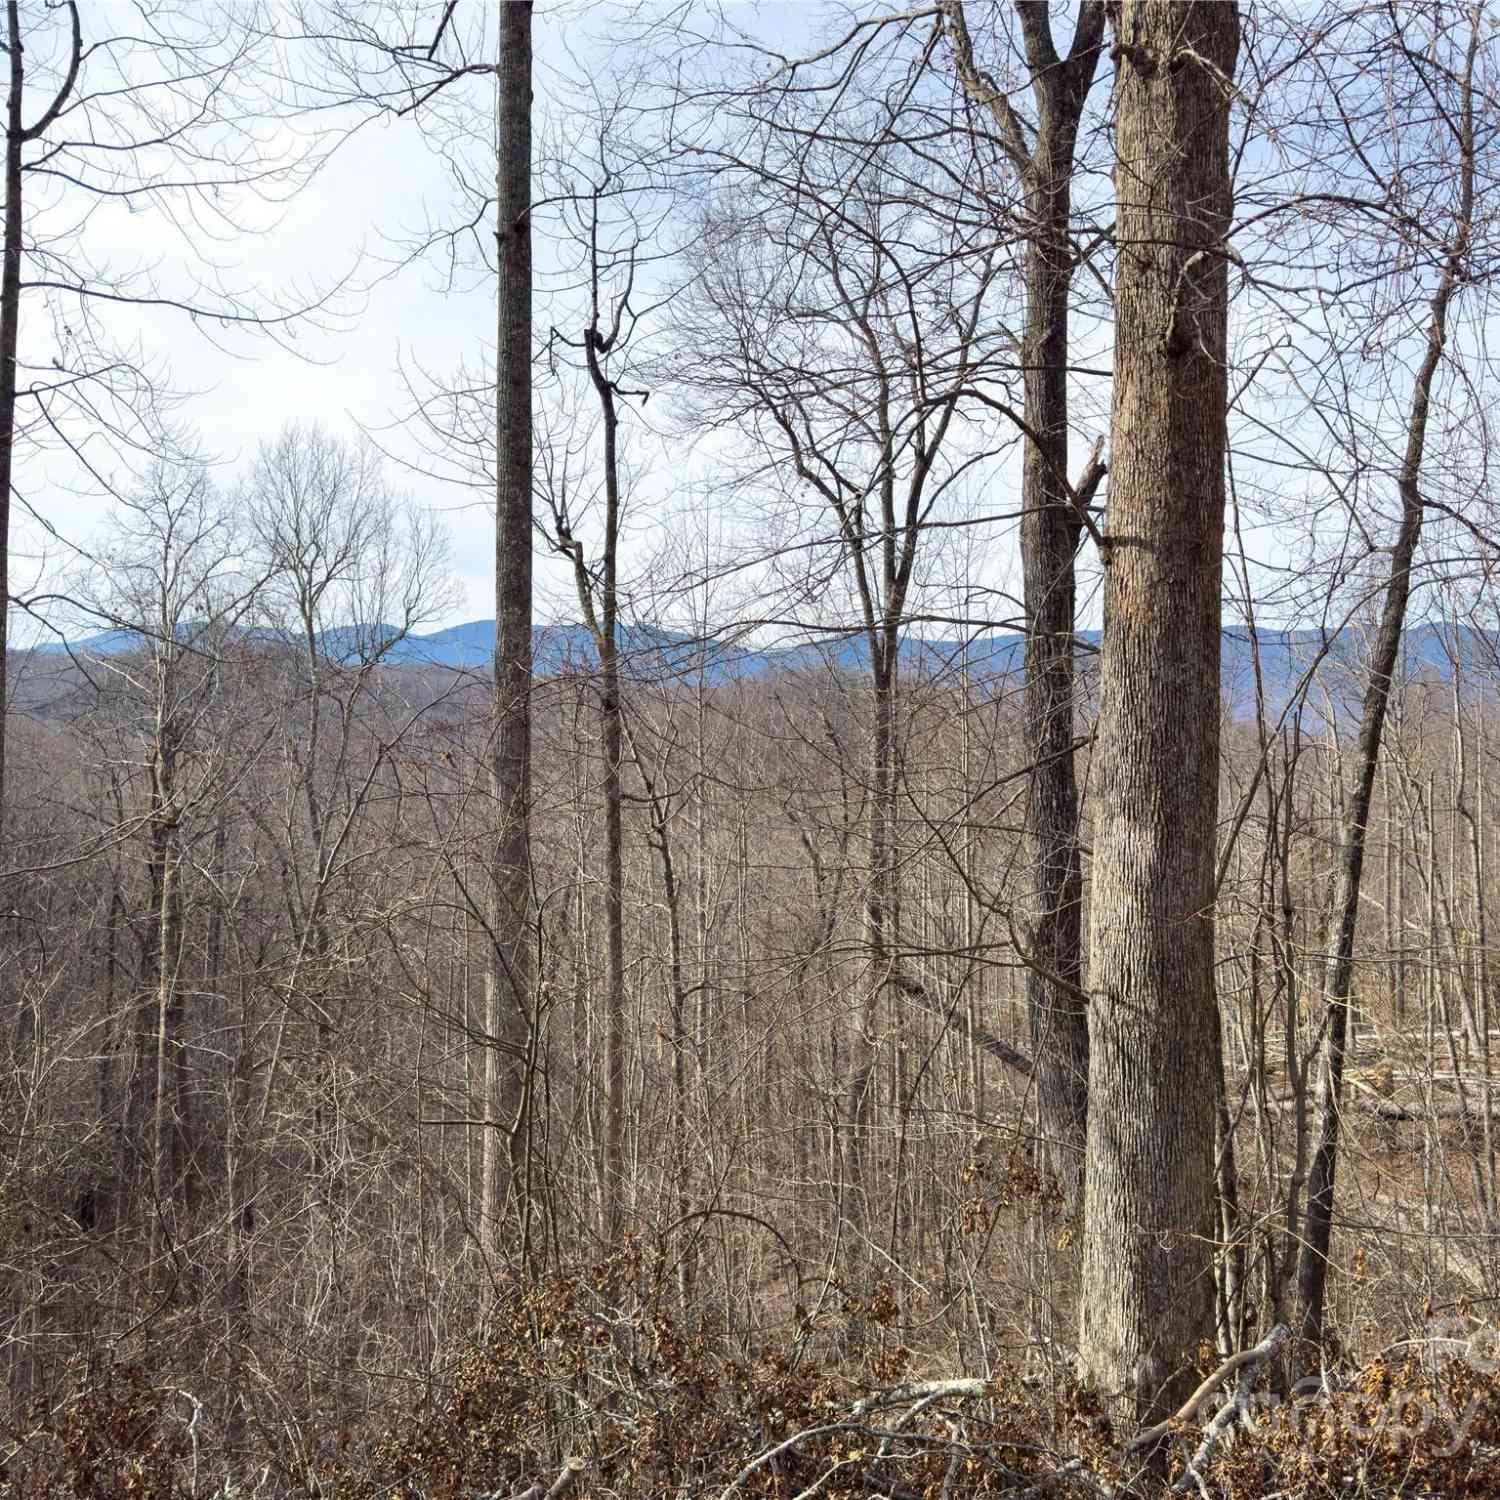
<point x="117" y="1436"/>
<point x="597" y="1363"/>
<point x="1401" y="1427"/>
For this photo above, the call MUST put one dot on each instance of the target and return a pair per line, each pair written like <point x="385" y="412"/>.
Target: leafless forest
<point x="758" y="1035"/>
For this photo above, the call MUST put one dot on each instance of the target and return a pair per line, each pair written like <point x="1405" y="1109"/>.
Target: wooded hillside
<point x="941" y="940"/>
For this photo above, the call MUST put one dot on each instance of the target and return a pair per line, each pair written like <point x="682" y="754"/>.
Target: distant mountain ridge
<point x="651" y="652"/>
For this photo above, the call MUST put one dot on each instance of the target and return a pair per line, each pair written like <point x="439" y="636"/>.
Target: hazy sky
<point x="381" y="182"/>
<point x="382" y="188"/>
<point x="385" y="185"/>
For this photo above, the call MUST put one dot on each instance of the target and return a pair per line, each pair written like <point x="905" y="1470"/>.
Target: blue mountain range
<point x="1284" y="658"/>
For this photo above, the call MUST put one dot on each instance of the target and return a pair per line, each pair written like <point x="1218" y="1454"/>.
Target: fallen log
<point x="1390" y="1109"/>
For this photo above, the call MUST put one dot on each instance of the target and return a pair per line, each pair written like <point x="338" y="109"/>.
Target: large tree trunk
<point x="1312" y="1266"/>
<point x="1148" y="1288"/>
<point x="508" y="1019"/>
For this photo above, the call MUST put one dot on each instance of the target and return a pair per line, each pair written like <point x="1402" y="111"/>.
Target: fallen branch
<point x="923" y="1391"/>
<point x="1237" y="1408"/>
<point x="1389" y="1109"/>
<point x="986" y="1041"/>
<point x="920" y="1396"/>
<point x="571" y="1469"/>
<point x="786" y="1445"/>
<point x="1245" y="1359"/>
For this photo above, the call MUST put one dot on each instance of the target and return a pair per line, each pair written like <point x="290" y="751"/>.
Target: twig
<point x="192" y="1428"/>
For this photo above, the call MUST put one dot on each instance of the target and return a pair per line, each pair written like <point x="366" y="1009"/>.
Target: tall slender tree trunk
<point x="1049" y="538"/>
<point x="1338" y="982"/>
<point x="508" y="998"/>
<point x="599" y="604"/>
<point x="704" y="1007"/>
<point x="611" y="744"/>
<point x="677" y="1192"/>
<point x="10" y="327"/>
<point x="16" y="135"/>
<point x="603" y="623"/>
<point x="882" y="917"/>
<point x="166" y="1124"/>
<point x="1050" y="530"/>
<point x="1148" y="1287"/>
<point x="239" y="1221"/>
<point x="1482" y="976"/>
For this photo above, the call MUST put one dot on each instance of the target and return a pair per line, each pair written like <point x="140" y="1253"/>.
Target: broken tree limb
<point x="1237" y="1408"/>
<point x="1245" y="1359"/>
<point x="986" y="1041"/>
<point x="566" y="1479"/>
<point x="1069" y="1474"/>
<point x="1389" y="1109"/>
<point x="923" y="1391"/>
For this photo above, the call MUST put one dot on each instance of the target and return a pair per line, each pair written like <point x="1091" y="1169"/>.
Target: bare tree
<point x="604" y="343"/>
<point x="157" y="117"/>
<point x="1042" y="153"/>
<point x="510" y="983"/>
<point x="839" y="320"/>
<point x="170" y="577"/>
<point x="1443" y="71"/>
<point x="352" y="570"/>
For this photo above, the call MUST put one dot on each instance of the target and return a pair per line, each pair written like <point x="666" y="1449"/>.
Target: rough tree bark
<point x="1148" y="1288"/>
<point x="508" y="996"/>
<point x="10" y="324"/>
<point x="1050" y="530"/>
